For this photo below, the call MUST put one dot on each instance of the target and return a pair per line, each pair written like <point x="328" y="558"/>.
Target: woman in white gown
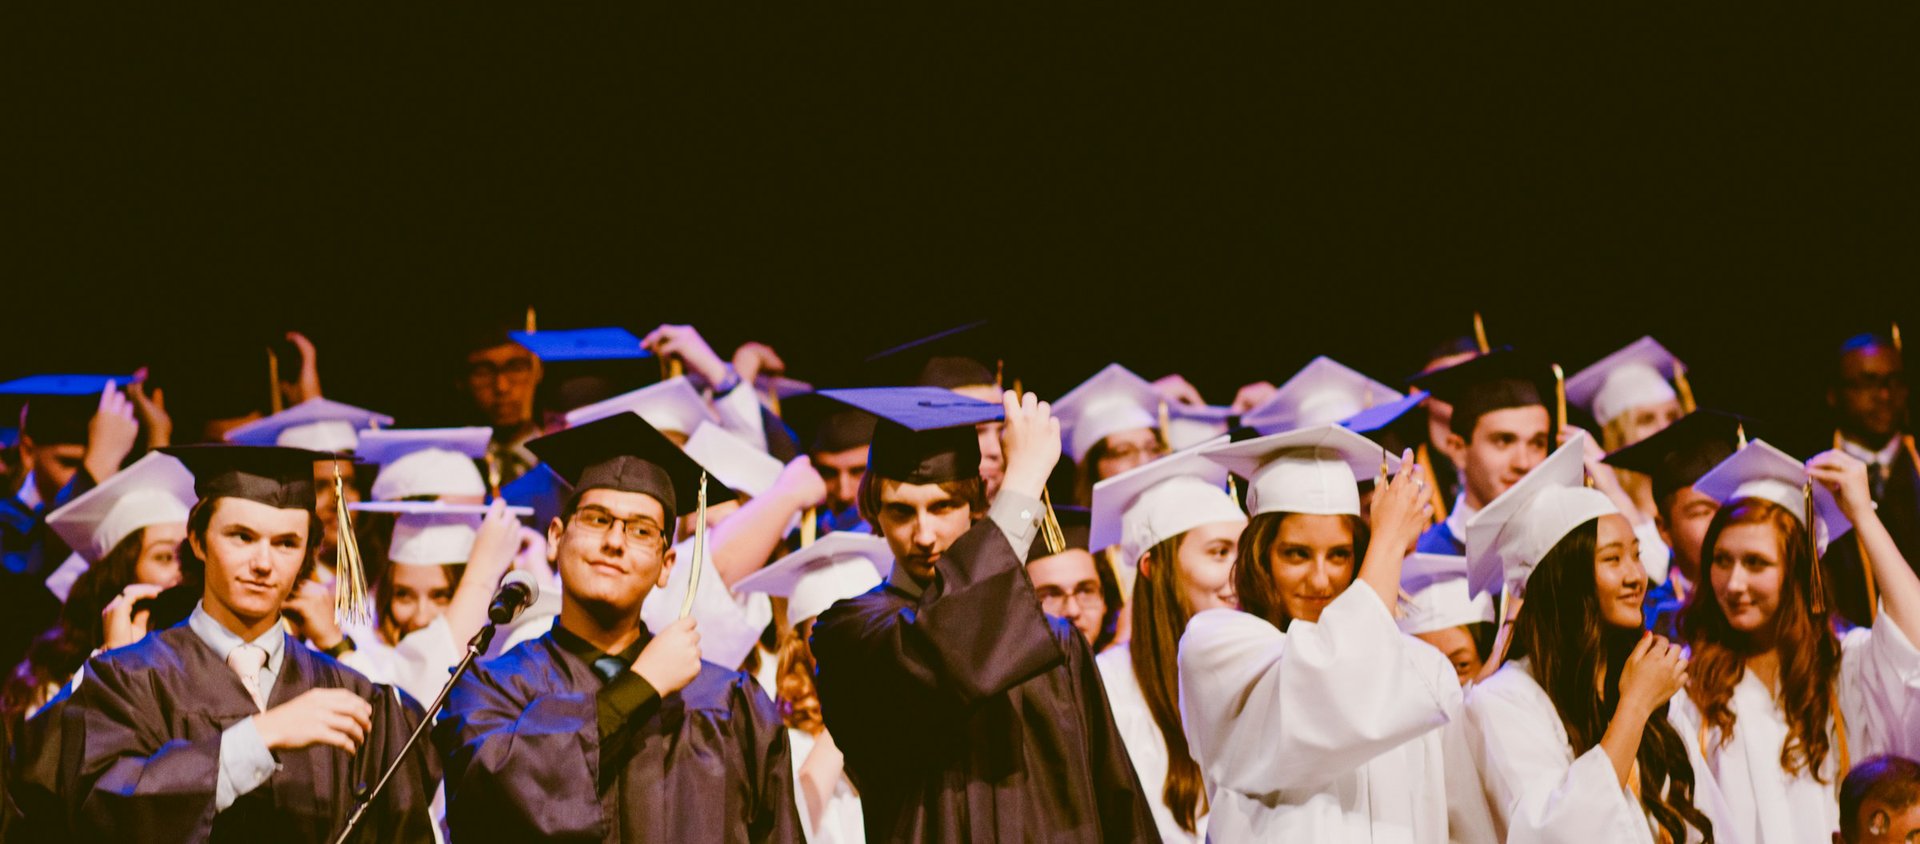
<point x="1778" y="705"/>
<point x="1175" y="520"/>
<point x="1312" y="717"/>
<point x="1570" y="733"/>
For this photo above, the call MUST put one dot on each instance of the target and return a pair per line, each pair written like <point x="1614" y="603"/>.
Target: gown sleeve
<point x="1530" y="786"/>
<point x="1880" y="691"/>
<point x="520" y="759"/>
<point x="1266" y="711"/>
<point x="129" y="781"/>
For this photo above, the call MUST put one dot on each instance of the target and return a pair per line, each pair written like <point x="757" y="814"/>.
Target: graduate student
<point x="1110" y="423"/>
<point x="1571" y="734"/>
<point x="955" y="730"/>
<point x="1311" y="716"/>
<point x="1880" y="802"/>
<point x="839" y="566"/>
<point x="1500" y="428"/>
<point x="1778" y="706"/>
<point x="599" y="730"/>
<point x="1074" y="585"/>
<point x="226" y="728"/>
<point x="1631" y="394"/>
<point x="1175" y="523"/>
<point x="1672" y="460"/>
<point x="1867" y="396"/>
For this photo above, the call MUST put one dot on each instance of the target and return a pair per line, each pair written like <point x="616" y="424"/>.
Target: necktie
<point x="608" y="667"/>
<point x="246" y="662"/>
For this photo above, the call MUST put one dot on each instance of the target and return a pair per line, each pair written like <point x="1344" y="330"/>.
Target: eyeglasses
<point x="645" y="533"/>
<point x="1054" y="602"/>
<point x="516" y="370"/>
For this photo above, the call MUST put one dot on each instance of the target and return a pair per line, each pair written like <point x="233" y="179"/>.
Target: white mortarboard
<point x="1635" y="376"/>
<point x="839" y="565"/>
<point x="1189" y="426"/>
<point x="1436" y="596"/>
<point x="315" y="425"/>
<point x="1147" y="505"/>
<point x="1323" y="392"/>
<point x="1311" y="470"/>
<point x="417" y="462"/>
<point x="1507" y="538"/>
<point x="1113" y="400"/>
<point x="1764" y="472"/>
<point x="156" y="489"/>
<point x="736" y="462"/>
<point x="430" y="533"/>
<point x="670" y="405"/>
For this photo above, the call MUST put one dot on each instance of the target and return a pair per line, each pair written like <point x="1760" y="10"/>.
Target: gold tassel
<point x="699" y="550"/>
<point x="1816" y="583"/>
<point x="493" y="474"/>
<point x="1480" y="333"/>
<point x="1166" y="427"/>
<point x="773" y="397"/>
<point x="671" y="368"/>
<point x="1050" y="533"/>
<point x="350" y="603"/>
<point x="1740" y="436"/>
<point x="273" y="382"/>
<point x="1000" y="376"/>
<point x="533" y="325"/>
<point x="1681" y="386"/>
<point x="809" y="526"/>
<point x="1559" y="399"/>
<point x="1896" y="340"/>
<point x="1421" y="456"/>
<point x="1233" y="489"/>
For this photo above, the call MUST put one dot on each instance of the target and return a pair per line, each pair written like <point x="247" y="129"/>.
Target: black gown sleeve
<point x="768" y="767"/>
<point x="126" y="779"/>
<point x="522" y="762"/>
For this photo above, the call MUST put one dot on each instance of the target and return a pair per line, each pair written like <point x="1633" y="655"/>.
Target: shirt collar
<point x="1457" y="520"/>
<point x="573" y="644"/>
<point x="901" y="581"/>
<point x="223" y="641"/>
<point x="1883" y="457"/>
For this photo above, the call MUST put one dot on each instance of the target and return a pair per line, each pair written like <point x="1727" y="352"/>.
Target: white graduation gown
<point x="1537" y="789"/>
<point x="1328" y="732"/>
<point x="1145" y="744"/>
<point x="1879" y="687"/>
<point x="841" y="822"/>
<point x="419" y="664"/>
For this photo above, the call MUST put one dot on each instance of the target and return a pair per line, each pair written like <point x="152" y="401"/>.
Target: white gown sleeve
<point x="729" y="625"/>
<point x="1266" y="711"/>
<point x="1880" y="691"/>
<point x="1530" y="784"/>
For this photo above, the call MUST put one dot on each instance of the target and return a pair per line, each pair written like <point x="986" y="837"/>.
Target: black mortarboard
<point x="622" y="452"/>
<point x="925" y="435"/>
<point x="963" y="356"/>
<point x="1497" y="380"/>
<point x="1076" y="526"/>
<point x="272" y="475"/>
<point x="1677" y="455"/>
<point x="823" y="425"/>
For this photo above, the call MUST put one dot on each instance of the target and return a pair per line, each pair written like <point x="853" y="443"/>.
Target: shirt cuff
<point x="1018" y="515"/>
<point x="245" y="763"/>
<point x="620" y="699"/>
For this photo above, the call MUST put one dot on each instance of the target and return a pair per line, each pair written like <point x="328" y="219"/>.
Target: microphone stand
<point x="475" y="647"/>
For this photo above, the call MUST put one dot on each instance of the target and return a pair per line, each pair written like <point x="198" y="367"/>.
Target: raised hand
<point x="308" y="386"/>
<point x="753" y="360"/>
<point x="672" y="659"/>
<point x="333" y="717"/>
<point x="1402" y="507"/>
<point x="494" y="545"/>
<point x="152" y="411"/>
<point x="1030" y="439"/>
<point x="1846" y="477"/>
<point x="110" y="434"/>
<point x="125" y="623"/>
<point x="800" y="484"/>
<point x="1177" y="390"/>
<point x="1253" y="395"/>
<point x="686" y="344"/>
<point x="311" y="608"/>
<point x="1654" y="673"/>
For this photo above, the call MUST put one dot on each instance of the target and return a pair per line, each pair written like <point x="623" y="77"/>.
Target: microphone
<point x="517" y="591"/>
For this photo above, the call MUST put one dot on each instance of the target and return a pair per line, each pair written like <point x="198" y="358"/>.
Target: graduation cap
<point x="277" y="476"/>
<point x="416" y="462"/>
<point x="622" y="452"/>
<point x="1767" y="473"/>
<point x="1435" y="596"/>
<point x="581" y="344"/>
<point x="1635" y="376"/>
<point x="430" y="533"/>
<point x="1147" y="505"/>
<point x="1323" y="392"/>
<point x="1497" y="380"/>
<point x="315" y="424"/>
<point x="734" y="461"/>
<point x="966" y="355"/>
<point x="836" y="567"/>
<point x="1187" y="426"/>
<point x="670" y="405"/>
<point x="1507" y="538"/>
<point x="57" y="408"/>
<point x="1075" y="529"/>
<point x="1113" y="400"/>
<point x="1677" y="455"/>
<point x="157" y="489"/>
<point x="925" y="435"/>
<point x="586" y="365"/>
<point x="823" y="425"/>
<point x="1311" y="470"/>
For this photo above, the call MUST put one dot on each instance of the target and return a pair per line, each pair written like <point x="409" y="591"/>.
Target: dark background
<point x="1214" y="191"/>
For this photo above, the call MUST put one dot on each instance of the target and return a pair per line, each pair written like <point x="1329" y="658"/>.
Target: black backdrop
<point x="1213" y="191"/>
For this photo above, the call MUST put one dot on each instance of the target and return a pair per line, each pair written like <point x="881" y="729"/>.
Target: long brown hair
<point x="1253" y="567"/>
<point x="797" y="698"/>
<point x="1561" y="632"/>
<point x="59" y="651"/>
<point x="1720" y="653"/>
<point x="1160" y="615"/>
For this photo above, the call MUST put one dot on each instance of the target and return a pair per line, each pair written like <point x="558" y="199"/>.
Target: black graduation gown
<point x="967" y="715"/>
<point x="521" y="740"/>
<point x="138" y="746"/>
<point x="1899" y="510"/>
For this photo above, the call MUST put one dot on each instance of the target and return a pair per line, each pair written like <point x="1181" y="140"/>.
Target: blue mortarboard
<point x="1380" y="416"/>
<point x="925" y="435"/>
<point x="58" y="406"/>
<point x="582" y="344"/>
<point x="61" y="385"/>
